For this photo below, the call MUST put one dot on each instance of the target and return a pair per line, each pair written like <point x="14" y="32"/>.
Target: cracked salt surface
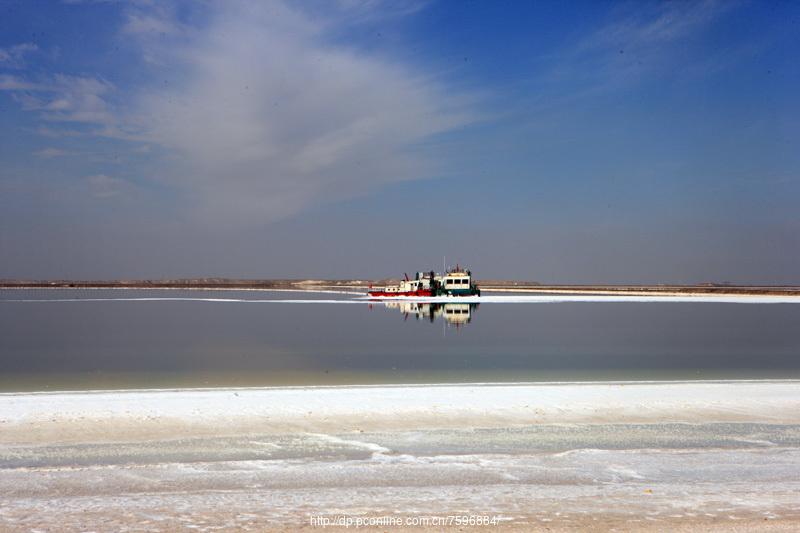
<point x="670" y="467"/>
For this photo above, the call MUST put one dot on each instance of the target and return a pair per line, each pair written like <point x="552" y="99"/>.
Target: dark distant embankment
<point x="339" y="284"/>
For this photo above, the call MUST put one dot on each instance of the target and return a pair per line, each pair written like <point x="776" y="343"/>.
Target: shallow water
<point x="107" y="339"/>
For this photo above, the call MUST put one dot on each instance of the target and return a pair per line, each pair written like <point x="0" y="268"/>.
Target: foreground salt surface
<point x="556" y="455"/>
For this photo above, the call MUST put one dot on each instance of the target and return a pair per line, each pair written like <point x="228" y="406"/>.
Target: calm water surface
<point x="47" y="343"/>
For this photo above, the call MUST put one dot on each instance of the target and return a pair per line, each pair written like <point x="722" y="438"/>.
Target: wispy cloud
<point x="72" y="99"/>
<point x="17" y="83"/>
<point x="50" y="152"/>
<point x="267" y="117"/>
<point x="14" y="56"/>
<point x="142" y="23"/>
<point x="360" y="11"/>
<point x="104" y="186"/>
<point x="63" y="98"/>
<point x="640" y="40"/>
<point x="57" y="133"/>
<point x="260" y="113"/>
<point x="663" y="22"/>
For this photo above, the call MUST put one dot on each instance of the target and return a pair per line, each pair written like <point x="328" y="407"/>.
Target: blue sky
<point x="582" y="142"/>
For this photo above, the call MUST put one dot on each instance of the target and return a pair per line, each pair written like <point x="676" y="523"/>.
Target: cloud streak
<point x="267" y="117"/>
<point x="638" y="43"/>
<point x="50" y="152"/>
<point x="104" y="186"/>
<point x="257" y="112"/>
<point x="14" y="56"/>
<point x="63" y="98"/>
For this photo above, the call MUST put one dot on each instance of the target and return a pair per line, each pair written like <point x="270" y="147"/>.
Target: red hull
<point x="383" y="294"/>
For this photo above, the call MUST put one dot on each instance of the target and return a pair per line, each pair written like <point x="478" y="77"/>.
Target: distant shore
<point x="354" y="284"/>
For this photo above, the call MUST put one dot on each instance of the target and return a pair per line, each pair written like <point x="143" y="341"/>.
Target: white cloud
<point x="56" y="133"/>
<point x="104" y="186"/>
<point x="141" y="23"/>
<point x="62" y="98"/>
<point x="79" y="99"/>
<point x="667" y="22"/>
<point x="641" y="40"/>
<point x="359" y="11"/>
<point x="268" y="117"/>
<point x="14" y="56"/>
<point x="16" y="83"/>
<point x="50" y="152"/>
<point x="259" y="113"/>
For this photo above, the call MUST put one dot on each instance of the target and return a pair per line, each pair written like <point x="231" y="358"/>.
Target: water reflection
<point x="454" y="314"/>
<point x="55" y="340"/>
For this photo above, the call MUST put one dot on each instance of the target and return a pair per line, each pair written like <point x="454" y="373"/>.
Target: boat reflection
<point x="455" y="314"/>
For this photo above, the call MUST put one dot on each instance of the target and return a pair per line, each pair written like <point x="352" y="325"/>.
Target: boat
<point x="457" y="282"/>
<point x="454" y="282"/>
<point x="421" y="285"/>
